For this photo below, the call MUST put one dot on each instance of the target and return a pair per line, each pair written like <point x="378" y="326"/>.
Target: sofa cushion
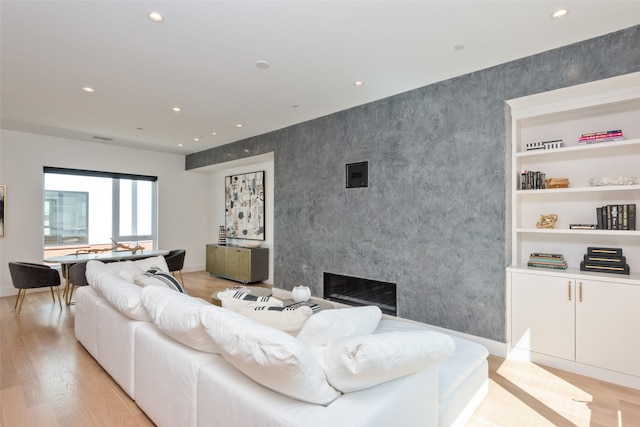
<point x="289" y="320"/>
<point x="238" y="301"/>
<point x="154" y="277"/>
<point x="178" y="316"/>
<point x="270" y="357"/>
<point x="454" y="370"/>
<point x="343" y="322"/>
<point x="359" y="362"/>
<point x="122" y="295"/>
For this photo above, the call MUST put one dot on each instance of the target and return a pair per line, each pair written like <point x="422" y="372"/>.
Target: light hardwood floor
<point x="48" y="379"/>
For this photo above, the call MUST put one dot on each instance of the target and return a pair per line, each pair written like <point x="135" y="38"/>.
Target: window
<point x="87" y="209"/>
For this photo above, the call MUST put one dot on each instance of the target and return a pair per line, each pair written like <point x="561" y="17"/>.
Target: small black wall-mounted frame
<point x="358" y="175"/>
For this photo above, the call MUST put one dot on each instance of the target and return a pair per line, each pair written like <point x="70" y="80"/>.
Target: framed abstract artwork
<point x="3" y="199"/>
<point x="244" y="206"/>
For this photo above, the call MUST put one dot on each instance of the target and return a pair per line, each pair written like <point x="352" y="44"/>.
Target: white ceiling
<point x="202" y="58"/>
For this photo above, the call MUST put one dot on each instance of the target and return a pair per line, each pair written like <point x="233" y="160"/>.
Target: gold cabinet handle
<point x="580" y="291"/>
<point x="569" y="289"/>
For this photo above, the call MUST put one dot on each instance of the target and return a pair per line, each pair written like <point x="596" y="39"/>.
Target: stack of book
<point x="530" y="180"/>
<point x="605" y="260"/>
<point x="616" y="217"/>
<point x="541" y="260"/>
<point x="609" y="135"/>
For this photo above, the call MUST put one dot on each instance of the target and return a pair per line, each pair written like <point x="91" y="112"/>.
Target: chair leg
<point x="59" y="299"/>
<point x="21" y="297"/>
<point x="70" y="294"/>
<point x="15" y="306"/>
<point x="52" y="294"/>
<point x="181" y="279"/>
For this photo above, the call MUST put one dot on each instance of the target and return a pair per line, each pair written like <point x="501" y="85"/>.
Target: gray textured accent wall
<point x="433" y="219"/>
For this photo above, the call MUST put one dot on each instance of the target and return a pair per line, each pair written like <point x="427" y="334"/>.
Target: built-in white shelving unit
<point x="580" y="321"/>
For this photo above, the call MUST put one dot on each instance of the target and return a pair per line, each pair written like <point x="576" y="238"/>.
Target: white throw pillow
<point x="359" y="362"/>
<point x="286" y="320"/>
<point x="238" y="301"/>
<point x="343" y="322"/>
<point x="178" y="316"/>
<point x="122" y="295"/>
<point x="268" y="356"/>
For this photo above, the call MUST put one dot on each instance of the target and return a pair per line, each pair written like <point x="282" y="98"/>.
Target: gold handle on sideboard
<point x="569" y="289"/>
<point x="580" y="291"/>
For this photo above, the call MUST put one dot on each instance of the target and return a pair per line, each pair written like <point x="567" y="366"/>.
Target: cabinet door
<point x="239" y="264"/>
<point x="542" y="314"/>
<point x="608" y="325"/>
<point x="217" y="260"/>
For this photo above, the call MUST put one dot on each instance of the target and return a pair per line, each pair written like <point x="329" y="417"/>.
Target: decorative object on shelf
<point x="301" y="293"/>
<point x="605" y="260"/>
<point x="244" y="206"/>
<point x="249" y="244"/>
<point x="607" y="180"/>
<point x="556" y="183"/>
<point x="544" y="145"/>
<point x="547" y="221"/>
<point x="222" y="236"/>
<point x="605" y="136"/>
<point x="616" y="217"/>
<point x="543" y="260"/>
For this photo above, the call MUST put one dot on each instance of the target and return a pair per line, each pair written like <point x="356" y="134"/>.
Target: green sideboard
<point x="246" y="265"/>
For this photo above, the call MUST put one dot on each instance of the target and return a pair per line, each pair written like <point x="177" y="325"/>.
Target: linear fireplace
<point x="357" y="291"/>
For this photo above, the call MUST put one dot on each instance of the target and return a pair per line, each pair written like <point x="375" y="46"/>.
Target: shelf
<point x="624" y="233"/>
<point x="602" y="188"/>
<point x="590" y="148"/>
<point x="629" y="279"/>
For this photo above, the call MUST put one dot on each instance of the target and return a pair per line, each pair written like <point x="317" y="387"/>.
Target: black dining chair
<point x="77" y="277"/>
<point x="26" y="275"/>
<point x="175" y="262"/>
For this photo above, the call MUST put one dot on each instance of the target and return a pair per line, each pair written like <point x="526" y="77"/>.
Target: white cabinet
<point x="588" y="319"/>
<point x="543" y="317"/>
<point x="591" y="322"/>
<point x="608" y="325"/>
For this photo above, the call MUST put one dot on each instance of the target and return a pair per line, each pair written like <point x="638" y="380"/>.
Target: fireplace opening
<point x="357" y="291"/>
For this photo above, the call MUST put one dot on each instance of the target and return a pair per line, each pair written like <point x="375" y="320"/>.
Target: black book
<point x="605" y="259"/>
<point x="632" y="216"/>
<point x="599" y="218"/>
<point x="604" y="251"/>
<point x="617" y="269"/>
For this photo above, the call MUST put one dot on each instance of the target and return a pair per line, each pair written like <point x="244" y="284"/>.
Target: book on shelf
<point x="591" y="250"/>
<point x="532" y="180"/>
<point x="547" y="260"/>
<point x="583" y="226"/>
<point x="616" y="217"/>
<point x="618" y="269"/>
<point x="610" y="135"/>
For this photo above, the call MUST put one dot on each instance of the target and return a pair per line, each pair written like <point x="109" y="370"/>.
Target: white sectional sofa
<point x="189" y="363"/>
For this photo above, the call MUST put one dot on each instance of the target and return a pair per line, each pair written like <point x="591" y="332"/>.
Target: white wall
<point x="216" y="175"/>
<point x="183" y="197"/>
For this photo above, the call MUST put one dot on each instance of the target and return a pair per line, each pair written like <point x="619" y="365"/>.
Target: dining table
<point x="66" y="261"/>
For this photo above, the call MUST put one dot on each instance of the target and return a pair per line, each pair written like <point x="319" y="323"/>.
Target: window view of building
<point x="86" y="210"/>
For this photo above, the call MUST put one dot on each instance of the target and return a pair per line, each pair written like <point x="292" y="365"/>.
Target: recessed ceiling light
<point x="155" y="16"/>
<point x="180" y="145"/>
<point x="196" y="139"/>
<point x="262" y="64"/>
<point x="459" y="47"/>
<point x="88" y="89"/>
<point x="358" y="83"/>
<point x="559" y="13"/>
<point x="246" y="150"/>
<point x="239" y="125"/>
<point x="177" y="109"/>
<point x="213" y="133"/>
